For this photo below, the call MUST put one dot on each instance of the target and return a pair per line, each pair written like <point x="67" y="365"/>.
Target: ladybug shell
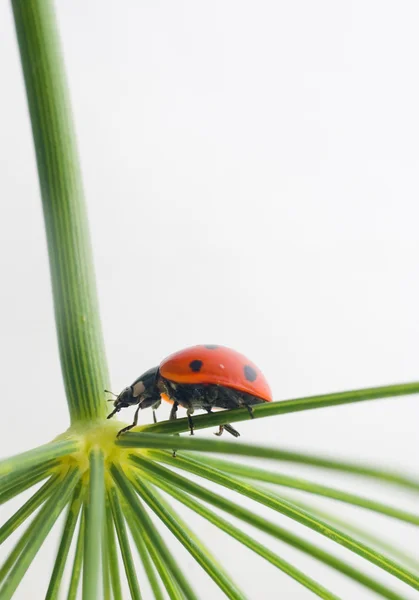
<point x="217" y="365"/>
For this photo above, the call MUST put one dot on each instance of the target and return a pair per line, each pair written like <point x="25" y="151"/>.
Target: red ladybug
<point x="204" y="377"/>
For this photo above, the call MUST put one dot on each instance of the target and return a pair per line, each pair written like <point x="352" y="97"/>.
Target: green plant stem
<point x="283" y="407"/>
<point x="166" y="565"/>
<point x="257" y="474"/>
<point x="121" y="531"/>
<point x="188" y="539"/>
<point x="77" y="562"/>
<point x="195" y="444"/>
<point x="28" y="508"/>
<point x="176" y="482"/>
<point x="94" y="507"/>
<point x="106" y="575"/>
<point x="243" y="538"/>
<point x="332" y="464"/>
<point x="112" y="552"/>
<point x="294" y="512"/>
<point x="138" y="537"/>
<point x="23" y="482"/>
<point x="38" y="531"/>
<point x="64" y="547"/>
<point x="73" y="284"/>
<point x="378" y="542"/>
<point x="16" y="467"/>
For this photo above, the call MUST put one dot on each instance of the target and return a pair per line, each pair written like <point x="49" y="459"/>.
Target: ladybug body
<point x="204" y="377"/>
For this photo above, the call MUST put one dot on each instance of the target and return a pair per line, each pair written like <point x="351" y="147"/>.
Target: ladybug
<point x="204" y="377"/>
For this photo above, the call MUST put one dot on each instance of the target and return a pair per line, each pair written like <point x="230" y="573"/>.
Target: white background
<point x="251" y="171"/>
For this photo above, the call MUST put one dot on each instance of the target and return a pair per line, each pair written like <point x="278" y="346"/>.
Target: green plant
<point x="107" y="485"/>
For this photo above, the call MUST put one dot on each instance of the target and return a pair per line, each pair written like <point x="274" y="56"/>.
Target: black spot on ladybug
<point x="250" y="373"/>
<point x="196" y="365"/>
<point x="211" y="346"/>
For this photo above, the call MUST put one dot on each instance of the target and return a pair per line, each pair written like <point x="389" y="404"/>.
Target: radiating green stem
<point x="333" y="464"/>
<point x="243" y="538"/>
<point x="269" y="409"/>
<point x="139" y="539"/>
<point x="94" y="507"/>
<point x="192" y="443"/>
<point x="112" y="552"/>
<point x="22" y="465"/>
<point x="78" y="561"/>
<point x="166" y="564"/>
<point x="75" y="299"/>
<point x="28" y="508"/>
<point x="106" y="575"/>
<point x="176" y="481"/>
<point x="121" y="531"/>
<point x="256" y="474"/>
<point x="38" y="531"/>
<point x="25" y="481"/>
<point x="64" y="547"/>
<point x="188" y="539"/>
<point x="294" y="512"/>
<point x="377" y="541"/>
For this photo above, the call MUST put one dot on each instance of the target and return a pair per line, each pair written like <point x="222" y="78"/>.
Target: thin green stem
<point x="377" y="541"/>
<point x="112" y="552"/>
<point x="38" y="531"/>
<point x="333" y="464"/>
<point x="294" y="512"/>
<point x="257" y="474"/>
<point x="23" y="482"/>
<point x="66" y="539"/>
<point x="195" y="444"/>
<point x="75" y="299"/>
<point x="29" y="507"/>
<point x="283" y="407"/>
<point x="77" y="562"/>
<point x="188" y="539"/>
<point x="22" y="465"/>
<point x="106" y="575"/>
<point x="146" y="560"/>
<point x="167" y="566"/>
<point x="121" y="531"/>
<point x="243" y="538"/>
<point x="176" y="482"/>
<point x="94" y="506"/>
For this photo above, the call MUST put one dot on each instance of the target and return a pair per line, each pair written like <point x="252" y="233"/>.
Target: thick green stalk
<point x="73" y="283"/>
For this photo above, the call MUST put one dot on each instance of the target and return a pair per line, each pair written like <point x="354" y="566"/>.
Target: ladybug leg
<point x="133" y="424"/>
<point x="173" y="412"/>
<point x="227" y="427"/>
<point x="190" y="412"/>
<point x="250" y="410"/>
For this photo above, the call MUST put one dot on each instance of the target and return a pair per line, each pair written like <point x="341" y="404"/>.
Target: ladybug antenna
<point x="109" y="392"/>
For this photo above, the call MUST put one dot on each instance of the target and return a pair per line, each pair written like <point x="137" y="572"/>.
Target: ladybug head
<point x="143" y="391"/>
